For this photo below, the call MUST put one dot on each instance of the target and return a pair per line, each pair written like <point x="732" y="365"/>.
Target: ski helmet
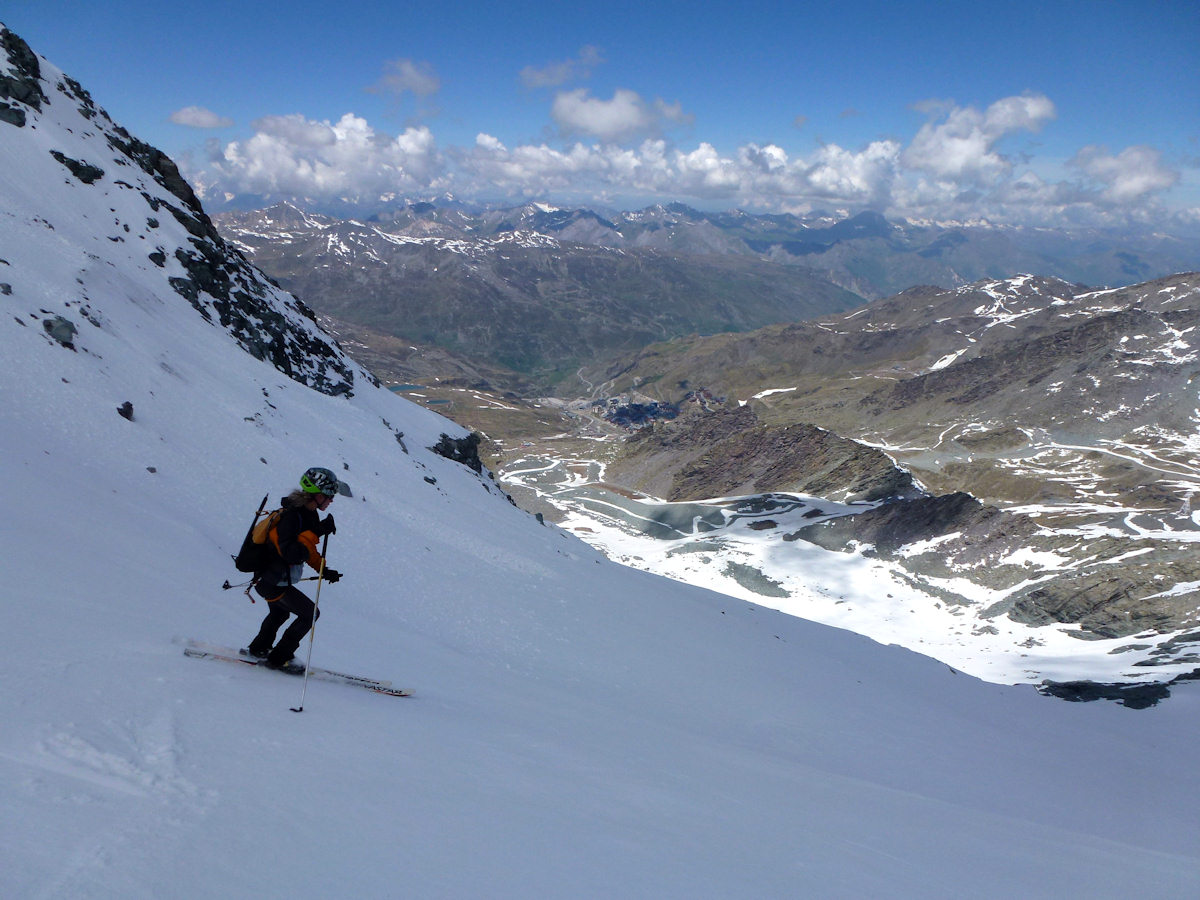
<point x="319" y="481"/>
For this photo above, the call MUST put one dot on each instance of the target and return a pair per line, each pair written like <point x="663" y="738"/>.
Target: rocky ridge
<point x="151" y="218"/>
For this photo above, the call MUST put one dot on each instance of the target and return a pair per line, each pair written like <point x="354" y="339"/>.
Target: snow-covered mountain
<point x="866" y="253"/>
<point x="579" y="729"/>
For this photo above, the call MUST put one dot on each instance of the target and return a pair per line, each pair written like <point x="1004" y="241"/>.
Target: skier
<point x="293" y="538"/>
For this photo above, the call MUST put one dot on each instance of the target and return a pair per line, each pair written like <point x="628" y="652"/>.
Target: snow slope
<point x="579" y="729"/>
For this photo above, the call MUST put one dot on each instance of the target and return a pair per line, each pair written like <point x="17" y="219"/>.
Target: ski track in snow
<point x="84" y="769"/>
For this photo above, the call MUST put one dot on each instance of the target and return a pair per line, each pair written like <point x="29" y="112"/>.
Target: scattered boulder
<point x="61" y="330"/>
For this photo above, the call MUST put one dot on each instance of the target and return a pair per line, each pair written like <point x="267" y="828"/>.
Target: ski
<point x="244" y="656"/>
<point x="197" y="650"/>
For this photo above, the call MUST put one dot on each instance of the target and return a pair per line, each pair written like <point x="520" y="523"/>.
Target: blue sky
<point x="1046" y="112"/>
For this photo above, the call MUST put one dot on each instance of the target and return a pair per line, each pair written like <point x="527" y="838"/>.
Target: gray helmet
<point x="319" y="481"/>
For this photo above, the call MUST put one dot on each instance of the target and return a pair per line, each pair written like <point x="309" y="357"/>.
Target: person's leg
<point x="303" y="609"/>
<point x="276" y="616"/>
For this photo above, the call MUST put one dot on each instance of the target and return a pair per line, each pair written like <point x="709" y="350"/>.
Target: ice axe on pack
<point x="248" y="584"/>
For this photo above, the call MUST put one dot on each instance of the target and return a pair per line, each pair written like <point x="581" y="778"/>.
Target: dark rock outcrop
<point x="463" y="450"/>
<point x="894" y="525"/>
<point x="1134" y="696"/>
<point x="24" y="86"/>
<point x="84" y="171"/>
<point x="730" y="452"/>
<point x="1108" y="602"/>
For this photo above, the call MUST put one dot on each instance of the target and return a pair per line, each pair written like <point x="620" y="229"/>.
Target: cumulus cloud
<point x="951" y="169"/>
<point x="626" y="116"/>
<point x="295" y="156"/>
<point x="199" y="117"/>
<point x="402" y="76"/>
<point x="865" y="178"/>
<point x="556" y="74"/>
<point x="959" y="143"/>
<point x="1130" y="176"/>
<point x="754" y="175"/>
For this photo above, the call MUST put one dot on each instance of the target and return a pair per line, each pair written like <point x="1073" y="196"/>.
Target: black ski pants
<point x="290" y="602"/>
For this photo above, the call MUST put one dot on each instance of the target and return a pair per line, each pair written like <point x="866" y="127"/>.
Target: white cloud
<point x="959" y="143"/>
<point x="291" y="155"/>
<point x="557" y="74"/>
<point x="673" y="113"/>
<point x="295" y="130"/>
<point x="1128" y="177"/>
<point x="199" y="117"/>
<point x="952" y="169"/>
<point x="487" y="142"/>
<point x="529" y="170"/>
<point x="863" y="178"/>
<point x="626" y="116"/>
<point x="755" y="175"/>
<point x="1027" y="112"/>
<point x="705" y="173"/>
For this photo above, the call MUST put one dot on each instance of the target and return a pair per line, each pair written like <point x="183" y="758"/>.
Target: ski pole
<point x="312" y="631"/>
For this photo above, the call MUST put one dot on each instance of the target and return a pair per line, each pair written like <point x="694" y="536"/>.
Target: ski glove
<point x="326" y="526"/>
<point x="332" y="576"/>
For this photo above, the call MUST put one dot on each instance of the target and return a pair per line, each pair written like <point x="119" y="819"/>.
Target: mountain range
<point x="541" y="290"/>
<point x="865" y="252"/>
<point x="519" y="294"/>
